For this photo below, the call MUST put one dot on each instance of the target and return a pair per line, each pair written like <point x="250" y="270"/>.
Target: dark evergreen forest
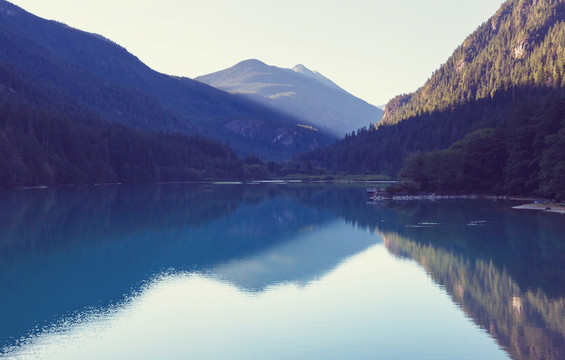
<point x="497" y="105"/>
<point x="43" y="147"/>
<point x="525" y="155"/>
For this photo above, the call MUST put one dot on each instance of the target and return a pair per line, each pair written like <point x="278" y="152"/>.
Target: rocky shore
<point x="383" y="196"/>
<point x="545" y="206"/>
<point x="375" y="195"/>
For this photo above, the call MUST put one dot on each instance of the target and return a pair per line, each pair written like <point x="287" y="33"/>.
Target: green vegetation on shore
<point x="524" y="156"/>
<point x="491" y="119"/>
<point x="339" y="178"/>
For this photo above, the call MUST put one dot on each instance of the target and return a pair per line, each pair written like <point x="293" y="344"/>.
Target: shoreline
<point x="383" y="196"/>
<point x="533" y="203"/>
<point x="547" y="207"/>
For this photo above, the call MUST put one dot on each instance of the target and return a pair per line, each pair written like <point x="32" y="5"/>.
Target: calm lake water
<point x="275" y="272"/>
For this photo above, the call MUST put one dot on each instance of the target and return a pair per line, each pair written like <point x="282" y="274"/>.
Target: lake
<point x="275" y="271"/>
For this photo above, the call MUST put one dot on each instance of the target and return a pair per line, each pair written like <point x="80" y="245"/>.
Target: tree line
<point x="526" y="155"/>
<point x="490" y="119"/>
<point x="42" y="147"/>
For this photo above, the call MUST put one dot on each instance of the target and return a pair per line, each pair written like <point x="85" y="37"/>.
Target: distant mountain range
<point x="72" y="69"/>
<point x="299" y="92"/>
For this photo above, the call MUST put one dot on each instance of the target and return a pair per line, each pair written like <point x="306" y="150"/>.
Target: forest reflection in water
<point x="503" y="268"/>
<point x="67" y="250"/>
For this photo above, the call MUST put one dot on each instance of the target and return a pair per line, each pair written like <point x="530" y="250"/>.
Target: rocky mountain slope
<point x="300" y="92"/>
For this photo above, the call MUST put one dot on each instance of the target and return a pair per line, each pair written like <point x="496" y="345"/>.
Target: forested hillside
<point x="509" y="77"/>
<point x="55" y="142"/>
<point x="520" y="47"/>
<point x="43" y="147"/>
<point x="525" y="156"/>
<point x="87" y="71"/>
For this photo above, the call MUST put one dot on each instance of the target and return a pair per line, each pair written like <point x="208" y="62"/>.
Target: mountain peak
<point x="303" y="93"/>
<point x="301" y="69"/>
<point x="251" y="63"/>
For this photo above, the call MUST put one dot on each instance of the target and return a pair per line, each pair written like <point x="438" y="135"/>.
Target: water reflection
<point x="275" y="271"/>
<point x="67" y="250"/>
<point x="308" y="255"/>
<point x="507" y="275"/>
<point x="352" y="311"/>
<point x="504" y="268"/>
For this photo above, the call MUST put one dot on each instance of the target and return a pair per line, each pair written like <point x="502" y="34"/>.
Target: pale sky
<point x="373" y="49"/>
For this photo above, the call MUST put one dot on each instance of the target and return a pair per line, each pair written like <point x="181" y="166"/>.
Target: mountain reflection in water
<point x="102" y="253"/>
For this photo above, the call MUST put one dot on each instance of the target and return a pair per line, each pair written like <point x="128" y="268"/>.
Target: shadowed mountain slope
<point x="88" y="72"/>
<point x="300" y="92"/>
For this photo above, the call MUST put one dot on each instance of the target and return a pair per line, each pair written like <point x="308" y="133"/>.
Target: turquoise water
<point x="275" y="271"/>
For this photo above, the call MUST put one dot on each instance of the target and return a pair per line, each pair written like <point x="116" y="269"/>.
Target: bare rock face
<point x="460" y="65"/>
<point x="521" y="50"/>
<point x="301" y="69"/>
<point x="494" y="25"/>
<point x="246" y="128"/>
<point x="258" y="130"/>
<point x="284" y="138"/>
<point x="395" y="104"/>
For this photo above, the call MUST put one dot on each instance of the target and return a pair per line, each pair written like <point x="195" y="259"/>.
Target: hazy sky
<point x="374" y="49"/>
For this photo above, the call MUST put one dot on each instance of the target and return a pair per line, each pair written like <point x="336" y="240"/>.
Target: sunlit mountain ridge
<point x="300" y="92"/>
